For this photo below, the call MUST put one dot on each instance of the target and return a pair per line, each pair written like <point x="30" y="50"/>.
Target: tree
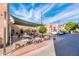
<point x="71" y="26"/>
<point x="42" y="30"/>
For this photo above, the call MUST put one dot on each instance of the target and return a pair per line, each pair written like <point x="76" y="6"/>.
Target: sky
<point x="54" y="13"/>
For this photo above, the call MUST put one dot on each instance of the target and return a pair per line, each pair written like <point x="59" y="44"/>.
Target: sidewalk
<point x="8" y="49"/>
<point x="30" y="48"/>
<point x="47" y="50"/>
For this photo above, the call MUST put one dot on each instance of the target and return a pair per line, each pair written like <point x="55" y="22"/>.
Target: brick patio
<point x="29" y="48"/>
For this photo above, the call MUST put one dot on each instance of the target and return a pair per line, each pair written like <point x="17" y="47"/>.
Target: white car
<point x="54" y="32"/>
<point x="60" y="33"/>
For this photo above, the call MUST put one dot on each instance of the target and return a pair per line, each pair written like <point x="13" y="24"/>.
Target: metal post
<point x="10" y="36"/>
<point x="4" y="49"/>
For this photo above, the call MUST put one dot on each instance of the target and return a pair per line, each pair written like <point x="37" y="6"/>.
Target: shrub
<point x="42" y="30"/>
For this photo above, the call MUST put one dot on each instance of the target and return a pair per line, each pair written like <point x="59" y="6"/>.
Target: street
<point x="67" y="45"/>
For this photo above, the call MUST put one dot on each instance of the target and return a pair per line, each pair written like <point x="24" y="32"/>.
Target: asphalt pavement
<point x="67" y="45"/>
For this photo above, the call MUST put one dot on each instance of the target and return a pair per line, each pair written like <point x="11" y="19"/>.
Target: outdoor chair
<point x="20" y="43"/>
<point x="28" y="39"/>
<point x="37" y="40"/>
<point x="29" y="42"/>
<point x="17" y="45"/>
<point x="46" y="37"/>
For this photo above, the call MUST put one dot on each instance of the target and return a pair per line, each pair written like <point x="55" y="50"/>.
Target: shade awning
<point x="23" y="22"/>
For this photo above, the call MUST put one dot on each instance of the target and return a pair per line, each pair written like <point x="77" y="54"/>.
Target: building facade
<point x="4" y="21"/>
<point x="49" y="27"/>
<point x="54" y="27"/>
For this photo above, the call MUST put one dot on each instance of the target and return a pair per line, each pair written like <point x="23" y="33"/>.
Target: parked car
<point x="61" y="33"/>
<point x="54" y="32"/>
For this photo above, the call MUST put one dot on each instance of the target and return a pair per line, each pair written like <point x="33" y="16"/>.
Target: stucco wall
<point x="3" y="8"/>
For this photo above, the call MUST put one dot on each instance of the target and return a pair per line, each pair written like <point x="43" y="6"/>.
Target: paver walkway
<point x="28" y="48"/>
<point x="33" y="47"/>
<point x="47" y="50"/>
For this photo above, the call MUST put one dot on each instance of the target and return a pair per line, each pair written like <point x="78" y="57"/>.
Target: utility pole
<point x="41" y="18"/>
<point x="9" y="26"/>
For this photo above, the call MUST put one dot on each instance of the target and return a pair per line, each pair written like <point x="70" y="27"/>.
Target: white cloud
<point x="48" y="8"/>
<point x="40" y="11"/>
<point x="73" y="17"/>
<point x="30" y="13"/>
<point x="36" y="14"/>
<point x="22" y="12"/>
<point x="65" y="14"/>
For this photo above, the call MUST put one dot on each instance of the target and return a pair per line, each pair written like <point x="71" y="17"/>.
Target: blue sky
<point x="58" y="13"/>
